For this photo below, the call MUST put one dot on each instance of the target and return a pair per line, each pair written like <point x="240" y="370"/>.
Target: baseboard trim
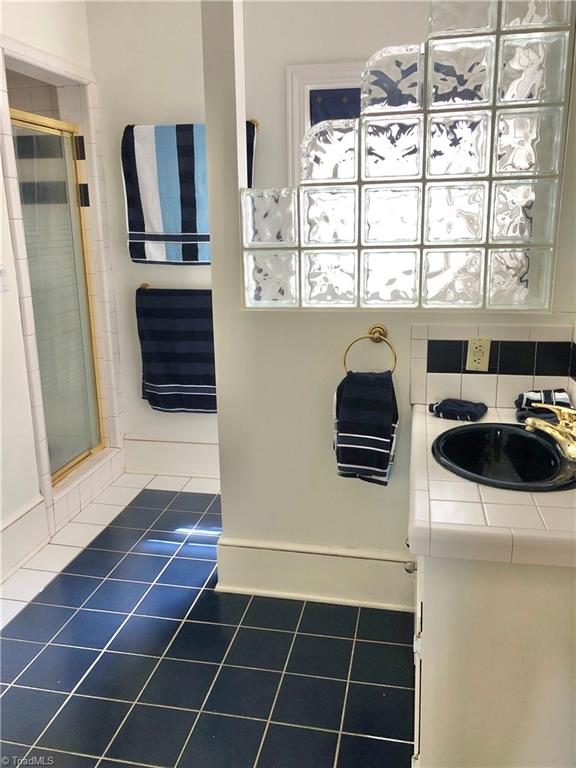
<point x="172" y="458"/>
<point x="24" y="537"/>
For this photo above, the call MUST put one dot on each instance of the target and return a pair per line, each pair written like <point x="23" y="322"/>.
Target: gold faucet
<point x="564" y="432"/>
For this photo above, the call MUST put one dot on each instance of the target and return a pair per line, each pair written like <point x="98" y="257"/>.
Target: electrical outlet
<point x="478" y="354"/>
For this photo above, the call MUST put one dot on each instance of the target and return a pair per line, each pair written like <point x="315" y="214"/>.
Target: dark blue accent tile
<point x="310" y="701"/>
<point x="135" y="517"/>
<point x="93" y="562"/>
<point x="24" y="713"/>
<point x="117" y="676"/>
<point x="223" y="742"/>
<point x="139" y="568"/>
<point x="361" y="752"/>
<point x="553" y="358"/>
<point x="246" y="692"/>
<point x="517" y="357"/>
<point x="58" y="669"/>
<point x="260" y="648"/>
<point x="573" y="360"/>
<point x="201" y="642"/>
<point x="192" y="502"/>
<point x="219" y="608"/>
<point x="177" y="522"/>
<point x="60" y="759"/>
<point x="186" y="573"/>
<point x="326" y="619"/>
<point x="38" y="623"/>
<point x="14" y="656"/>
<point x="203" y="538"/>
<point x="167" y="602"/>
<point x="386" y="626"/>
<point x="85" y="726"/>
<point x="143" y="635"/>
<point x="180" y="684"/>
<point x="153" y="499"/>
<point x="67" y="590"/>
<point x="216" y="507"/>
<point x="445" y="356"/>
<point x="273" y="613"/>
<point x="160" y="543"/>
<point x="118" y="539"/>
<point x="90" y="629"/>
<point x="375" y="711"/>
<point x="141" y="737"/>
<point x="320" y="656"/>
<point x="286" y="747"/>
<point x="199" y="552"/>
<point x="383" y="664"/>
<point x="117" y="596"/>
<point x="210" y="524"/>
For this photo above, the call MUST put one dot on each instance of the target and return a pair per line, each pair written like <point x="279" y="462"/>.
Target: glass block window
<point x="445" y="191"/>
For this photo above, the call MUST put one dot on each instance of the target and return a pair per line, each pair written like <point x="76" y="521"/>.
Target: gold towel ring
<point x="377" y="334"/>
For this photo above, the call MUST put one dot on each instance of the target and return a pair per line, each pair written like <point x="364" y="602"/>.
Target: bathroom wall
<point x="32" y="95"/>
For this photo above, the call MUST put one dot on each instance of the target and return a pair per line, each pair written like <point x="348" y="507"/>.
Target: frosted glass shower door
<point x="48" y="183"/>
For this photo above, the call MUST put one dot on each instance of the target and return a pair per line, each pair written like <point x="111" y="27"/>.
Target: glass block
<point x="524" y="211"/>
<point x="329" y="215"/>
<point x="458" y="144"/>
<point x="389" y="278"/>
<point x="329" y="150"/>
<point x="391" y="147"/>
<point x="453" y="278"/>
<point x="391" y="214"/>
<point x="392" y="79"/>
<point x="329" y="278"/>
<point x="528" y="141"/>
<point x="456" y="212"/>
<point x="519" y="278"/>
<point x="532" y="68"/>
<point x="460" y="72"/>
<point x="450" y="18"/>
<point x="269" y="217"/>
<point x="524" y="14"/>
<point x="271" y="278"/>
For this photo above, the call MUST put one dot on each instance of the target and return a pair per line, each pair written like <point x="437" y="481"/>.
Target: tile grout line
<point x="345" y="702"/>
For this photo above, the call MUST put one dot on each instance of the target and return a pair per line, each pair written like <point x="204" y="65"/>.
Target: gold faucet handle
<point x="566" y="415"/>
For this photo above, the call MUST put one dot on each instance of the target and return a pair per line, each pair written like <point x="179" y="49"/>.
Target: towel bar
<point x="377" y="334"/>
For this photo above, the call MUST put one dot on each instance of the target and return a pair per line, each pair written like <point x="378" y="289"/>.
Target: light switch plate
<point x="478" y="355"/>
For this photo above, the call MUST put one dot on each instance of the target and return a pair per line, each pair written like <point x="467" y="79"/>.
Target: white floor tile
<point x="202" y="485"/>
<point x="100" y="514"/>
<point x="9" y="609"/>
<point x="168" y="483"/>
<point x="53" y="557"/>
<point x="117" y="495"/>
<point x="25" y="584"/>
<point x="77" y="534"/>
<point x="133" y="480"/>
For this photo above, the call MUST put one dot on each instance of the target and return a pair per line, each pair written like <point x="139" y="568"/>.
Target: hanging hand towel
<point x="366" y="418"/>
<point x="166" y="187"/>
<point x="177" y="344"/>
<point x="458" y="410"/>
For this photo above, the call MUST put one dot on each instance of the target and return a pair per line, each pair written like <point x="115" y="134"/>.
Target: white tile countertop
<point x="454" y="517"/>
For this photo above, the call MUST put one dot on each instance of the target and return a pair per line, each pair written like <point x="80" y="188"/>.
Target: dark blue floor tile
<point x="273" y="613"/>
<point x="90" y="629"/>
<point x="116" y="596"/>
<point x="143" y="635"/>
<point x="216" y="507"/>
<point x="201" y="642"/>
<point x="177" y="522"/>
<point x="13" y="752"/>
<point x="310" y="701"/>
<point x="286" y="747"/>
<point x="48" y="757"/>
<point x="320" y="656"/>
<point x="180" y="684"/>
<point x="142" y="738"/>
<point x="67" y="590"/>
<point x="117" y="676"/>
<point x="212" y="581"/>
<point x="219" y="608"/>
<point x="135" y="517"/>
<point x="93" y="562"/>
<point x="186" y="573"/>
<point x="118" y="539"/>
<point x="326" y="619"/>
<point x="247" y="692"/>
<point x="38" y="623"/>
<point x="376" y="711"/>
<point x="160" y="543"/>
<point x="84" y="725"/>
<point x="387" y="626"/>
<point x="14" y="656"/>
<point x="209" y="524"/>
<point x="153" y="499"/>
<point x="260" y="648"/>
<point x="205" y="539"/>
<point x="167" y="602"/>
<point x="192" y="502"/>
<point x="199" y="551"/>
<point x="58" y="669"/>
<point x="361" y="752"/>
<point x="383" y="664"/>
<point x="139" y="568"/>
<point x="24" y="713"/>
<point x="223" y="742"/>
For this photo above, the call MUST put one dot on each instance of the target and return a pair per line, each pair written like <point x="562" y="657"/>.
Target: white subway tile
<point x="419" y="331"/>
<point x="509" y="387"/>
<point x="418" y="381"/>
<point x="419" y="348"/>
<point x="551" y="333"/>
<point x="460" y="512"/>
<point x="479" y="388"/>
<point x="452" y="331"/>
<point x="442" y="385"/>
<point x="440" y="490"/>
<point x="513" y="516"/>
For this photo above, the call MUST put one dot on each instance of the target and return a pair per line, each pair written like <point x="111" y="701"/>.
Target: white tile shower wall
<point x="31" y="95"/>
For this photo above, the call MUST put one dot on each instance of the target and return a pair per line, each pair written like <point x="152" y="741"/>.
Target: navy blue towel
<point x="365" y="422"/>
<point x="458" y="410"/>
<point x="548" y="396"/>
<point x="177" y="344"/>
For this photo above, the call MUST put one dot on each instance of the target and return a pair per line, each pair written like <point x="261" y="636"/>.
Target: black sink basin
<point x="505" y="456"/>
